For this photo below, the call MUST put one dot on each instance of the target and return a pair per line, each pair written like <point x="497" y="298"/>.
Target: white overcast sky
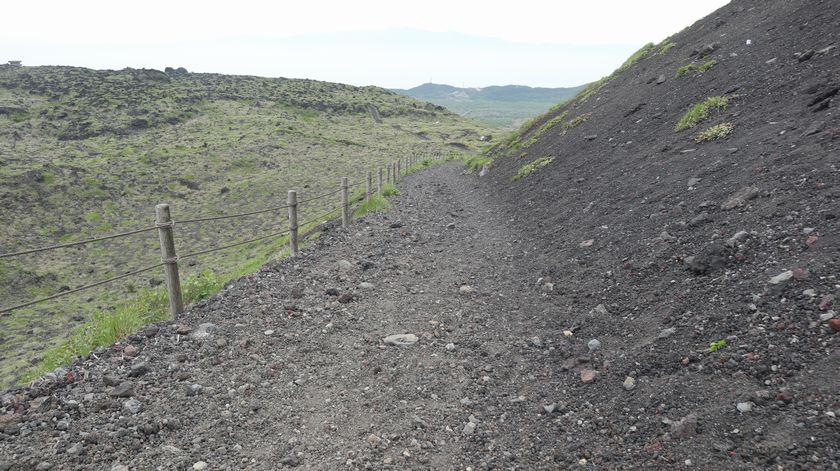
<point x="362" y="42"/>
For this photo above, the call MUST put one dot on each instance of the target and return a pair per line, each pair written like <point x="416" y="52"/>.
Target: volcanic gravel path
<point x="288" y="367"/>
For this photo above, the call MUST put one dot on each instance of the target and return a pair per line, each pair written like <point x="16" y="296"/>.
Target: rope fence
<point x="164" y="225"/>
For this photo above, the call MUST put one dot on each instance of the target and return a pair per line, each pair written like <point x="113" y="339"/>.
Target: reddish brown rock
<point x="834" y="324"/>
<point x="588" y="376"/>
<point x="826" y="301"/>
<point x="800" y="274"/>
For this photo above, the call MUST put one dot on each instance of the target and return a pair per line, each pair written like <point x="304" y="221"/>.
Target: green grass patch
<point x="376" y="203"/>
<point x="389" y="190"/>
<point x="528" y="169"/>
<point x="106" y="327"/>
<point x="666" y="46"/>
<point x="476" y="163"/>
<point x="700" y="112"/>
<point x="718" y="131"/>
<point x="696" y="69"/>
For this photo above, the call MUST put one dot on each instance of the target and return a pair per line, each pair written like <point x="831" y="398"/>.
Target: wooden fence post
<point x="379" y="187"/>
<point x="345" y="203"/>
<point x="388" y="168"/>
<point x="399" y="168"/>
<point x="164" y="223"/>
<point x="369" y="185"/>
<point x="291" y="201"/>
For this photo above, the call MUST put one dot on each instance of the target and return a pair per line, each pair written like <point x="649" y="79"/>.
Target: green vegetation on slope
<point x="87" y="153"/>
<point x="528" y="169"/>
<point x="700" y="112"/>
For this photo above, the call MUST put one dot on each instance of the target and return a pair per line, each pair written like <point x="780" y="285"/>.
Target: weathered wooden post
<point x="388" y="168"/>
<point x="399" y="169"/>
<point x="164" y="223"/>
<point x="379" y="182"/>
<point x="345" y="203"/>
<point x="291" y="201"/>
<point x="369" y="185"/>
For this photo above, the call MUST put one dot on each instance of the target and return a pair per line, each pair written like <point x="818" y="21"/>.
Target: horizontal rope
<point x="81" y="242"/>
<point x="320" y="196"/>
<point x="65" y="293"/>
<point x="216" y="249"/>
<point x="230" y="216"/>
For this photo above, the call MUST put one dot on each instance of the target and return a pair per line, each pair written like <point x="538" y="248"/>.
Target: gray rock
<point x="549" y="408"/>
<point x="661" y="79"/>
<point x="62" y="425"/>
<point x="75" y="449"/>
<point x="665" y="333"/>
<point x="400" y="339"/>
<point x="469" y="428"/>
<point x="684" y="427"/>
<point x="601" y="309"/>
<point x="199" y="465"/>
<point x="740" y="197"/>
<point x="744" y="406"/>
<point x="450" y="347"/>
<point x="204" y="330"/>
<point x="125" y="389"/>
<point x="587" y="243"/>
<point x="737" y="237"/>
<point x="451" y="225"/>
<point x="593" y="345"/>
<point x="138" y="369"/>
<point x="629" y="383"/>
<point x="781" y="277"/>
<point x="43" y="466"/>
<point x="465" y="289"/>
<point x="535" y="342"/>
<point x="365" y="285"/>
<point x="133" y="406"/>
<point x="344" y="265"/>
<point x="693" y="181"/>
<point x="119" y="467"/>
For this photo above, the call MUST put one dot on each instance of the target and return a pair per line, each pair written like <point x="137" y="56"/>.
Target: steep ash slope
<point x="684" y="243"/>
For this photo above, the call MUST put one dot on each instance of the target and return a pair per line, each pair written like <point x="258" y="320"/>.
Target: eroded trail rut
<point x="292" y="374"/>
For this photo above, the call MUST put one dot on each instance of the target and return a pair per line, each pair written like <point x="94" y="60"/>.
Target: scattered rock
<point x="784" y="395"/>
<point x="451" y="225"/>
<point x="75" y="449"/>
<point x="400" y="339"/>
<point x="588" y="376"/>
<point x="133" y="406"/>
<point x="535" y="342"/>
<point x="693" y="181"/>
<point x="629" y="383"/>
<point x="744" y="406"/>
<point x="465" y="289"/>
<point x="834" y="324"/>
<point x="781" y="277"/>
<point x="365" y="285"/>
<point x="800" y="274"/>
<point x="199" y="465"/>
<point x="204" y="331"/>
<point x="740" y="197"/>
<point x="587" y="243"/>
<point x="374" y="440"/>
<point x="661" y="79"/>
<point x="665" y="333"/>
<point x="344" y="265"/>
<point x="125" y="389"/>
<point x="826" y="301"/>
<point x="138" y="369"/>
<point x="737" y="238"/>
<point x="332" y="292"/>
<point x="593" y="345"/>
<point x="131" y="351"/>
<point x="549" y="409"/>
<point x="450" y="347"/>
<point x="346" y="298"/>
<point x="291" y="460"/>
<point x="685" y="427"/>
<point x="601" y="309"/>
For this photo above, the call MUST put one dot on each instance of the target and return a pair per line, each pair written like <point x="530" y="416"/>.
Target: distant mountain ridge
<point x="505" y="106"/>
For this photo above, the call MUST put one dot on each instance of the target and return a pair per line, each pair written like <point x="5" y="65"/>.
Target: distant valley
<point x="505" y="107"/>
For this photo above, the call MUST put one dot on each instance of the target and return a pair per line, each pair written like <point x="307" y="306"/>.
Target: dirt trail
<point x="288" y="367"/>
<point x="290" y="375"/>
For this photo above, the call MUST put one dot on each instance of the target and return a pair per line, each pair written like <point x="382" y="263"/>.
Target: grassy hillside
<point x="504" y="107"/>
<point x="86" y="153"/>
